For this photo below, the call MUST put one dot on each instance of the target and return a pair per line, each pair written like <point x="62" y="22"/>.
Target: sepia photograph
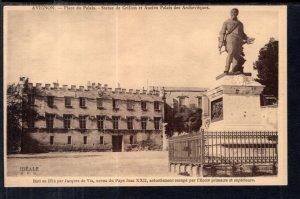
<point x="145" y="95"/>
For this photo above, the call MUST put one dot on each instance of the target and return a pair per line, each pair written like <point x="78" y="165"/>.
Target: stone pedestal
<point x="235" y="104"/>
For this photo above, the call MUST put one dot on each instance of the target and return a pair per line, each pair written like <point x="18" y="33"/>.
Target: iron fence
<point x="229" y="148"/>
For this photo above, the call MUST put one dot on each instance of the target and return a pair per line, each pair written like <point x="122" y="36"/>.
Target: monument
<point x="235" y="97"/>
<point x="233" y="37"/>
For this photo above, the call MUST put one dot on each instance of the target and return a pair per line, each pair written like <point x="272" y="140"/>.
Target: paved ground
<point x="105" y="164"/>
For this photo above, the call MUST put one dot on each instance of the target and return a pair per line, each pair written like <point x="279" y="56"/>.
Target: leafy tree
<point x="19" y="112"/>
<point x="184" y="119"/>
<point x="267" y="67"/>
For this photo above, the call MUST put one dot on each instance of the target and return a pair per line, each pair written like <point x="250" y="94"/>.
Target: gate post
<point x="200" y="170"/>
<point x="191" y="170"/>
<point x="274" y="169"/>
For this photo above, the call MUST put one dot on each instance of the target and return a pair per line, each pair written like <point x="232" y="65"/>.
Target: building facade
<point x="95" y="118"/>
<point x="176" y="99"/>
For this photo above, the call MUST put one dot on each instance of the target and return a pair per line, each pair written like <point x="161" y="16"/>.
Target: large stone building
<point x="94" y="118"/>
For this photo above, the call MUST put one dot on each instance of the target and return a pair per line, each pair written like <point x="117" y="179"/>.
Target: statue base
<point x="235" y="104"/>
<point x="232" y="73"/>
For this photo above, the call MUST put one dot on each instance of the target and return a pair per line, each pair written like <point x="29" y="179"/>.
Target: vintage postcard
<point x="145" y="95"/>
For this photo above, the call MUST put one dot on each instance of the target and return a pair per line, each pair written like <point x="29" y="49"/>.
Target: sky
<point x="135" y="48"/>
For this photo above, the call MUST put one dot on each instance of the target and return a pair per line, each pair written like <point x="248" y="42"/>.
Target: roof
<point x="100" y="94"/>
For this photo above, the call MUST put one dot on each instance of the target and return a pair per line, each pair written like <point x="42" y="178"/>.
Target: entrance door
<point x="117" y="143"/>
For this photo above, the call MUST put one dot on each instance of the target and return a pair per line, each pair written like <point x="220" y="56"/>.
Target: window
<point x="156" y="123"/>
<point x="100" y="122"/>
<point x="49" y="121"/>
<point x="115" y="122"/>
<point x="199" y="102"/>
<point x="115" y="104"/>
<point x="82" y="122"/>
<point x="129" y="105"/>
<point x="31" y="100"/>
<point x="68" y="102"/>
<point x="181" y="101"/>
<point x="50" y="101"/>
<point x="100" y="103"/>
<point x="156" y="106"/>
<point x="101" y="140"/>
<point x="51" y="139"/>
<point x="82" y="102"/>
<point x="144" y="123"/>
<point x="130" y="123"/>
<point x="67" y="121"/>
<point x="69" y="139"/>
<point x="131" y="139"/>
<point x="84" y="139"/>
<point x="144" y="105"/>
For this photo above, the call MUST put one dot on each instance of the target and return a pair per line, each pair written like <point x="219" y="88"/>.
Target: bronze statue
<point x="232" y="37"/>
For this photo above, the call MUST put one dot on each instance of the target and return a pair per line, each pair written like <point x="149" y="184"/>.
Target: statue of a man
<point x="232" y="36"/>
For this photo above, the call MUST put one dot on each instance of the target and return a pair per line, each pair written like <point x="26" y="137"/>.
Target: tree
<point x="14" y="118"/>
<point x="184" y="119"/>
<point x="19" y="112"/>
<point x="267" y="67"/>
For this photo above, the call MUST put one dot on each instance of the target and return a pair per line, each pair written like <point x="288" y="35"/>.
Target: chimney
<point x="55" y="85"/>
<point x="47" y="86"/>
<point x="81" y="88"/>
<point x="38" y="85"/>
<point x="65" y="87"/>
<point x="73" y="87"/>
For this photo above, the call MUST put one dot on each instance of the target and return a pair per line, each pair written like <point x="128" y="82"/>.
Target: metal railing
<point x="228" y="148"/>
